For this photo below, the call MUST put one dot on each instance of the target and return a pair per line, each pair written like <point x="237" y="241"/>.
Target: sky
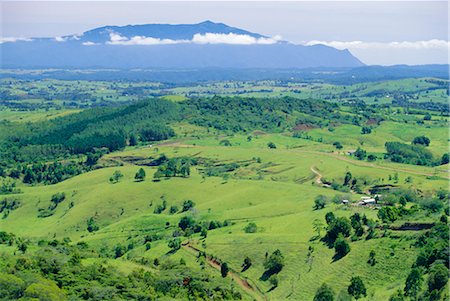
<point x="377" y="32"/>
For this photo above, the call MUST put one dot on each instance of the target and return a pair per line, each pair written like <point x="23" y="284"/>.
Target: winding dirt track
<point x="371" y="165"/>
<point x="253" y="291"/>
<point x="318" y="177"/>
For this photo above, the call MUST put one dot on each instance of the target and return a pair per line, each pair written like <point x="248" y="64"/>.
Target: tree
<point x="324" y="293"/>
<point x="341" y="225"/>
<point x="330" y="218"/>
<point x="445" y="159"/>
<point x="204" y="233"/>
<point x="318" y="226"/>
<point x="251" y="228"/>
<point x="11" y="287"/>
<point x="422" y="140"/>
<point x="438" y="277"/>
<point x="372" y="261"/>
<point x="133" y="140"/>
<point x="271" y="145"/>
<point x="247" y="263"/>
<point x="274" y="263"/>
<point x="117" y="175"/>
<point x="371" y="158"/>
<point x="224" y="269"/>
<point x="341" y="247"/>
<point x="347" y="178"/>
<point x="44" y="290"/>
<point x="320" y="201"/>
<point x="174" y="244"/>
<point x="22" y="247"/>
<point x="186" y="222"/>
<point x="388" y="214"/>
<point x="360" y="154"/>
<point x="92" y="225"/>
<point x="188" y="204"/>
<point x="140" y="175"/>
<point x="92" y="158"/>
<point x="427" y="116"/>
<point x="397" y="296"/>
<point x="273" y="280"/>
<point x="357" y="288"/>
<point x="413" y="283"/>
<point x="366" y="130"/>
<point x="337" y="145"/>
<point x="119" y="250"/>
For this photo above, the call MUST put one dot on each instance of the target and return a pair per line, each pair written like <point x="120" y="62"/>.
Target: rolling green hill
<point x="260" y="178"/>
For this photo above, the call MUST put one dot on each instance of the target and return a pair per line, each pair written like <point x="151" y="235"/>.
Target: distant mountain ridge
<point x="163" y="31"/>
<point x="202" y="45"/>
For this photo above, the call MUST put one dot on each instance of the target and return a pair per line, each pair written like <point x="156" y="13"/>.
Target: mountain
<point x="202" y="45"/>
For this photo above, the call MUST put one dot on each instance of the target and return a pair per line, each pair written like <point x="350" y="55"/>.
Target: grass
<point x="276" y="193"/>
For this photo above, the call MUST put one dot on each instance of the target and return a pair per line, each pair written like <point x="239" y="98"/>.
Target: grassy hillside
<point x="236" y="180"/>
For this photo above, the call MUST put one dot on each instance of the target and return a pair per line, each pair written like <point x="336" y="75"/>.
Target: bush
<point x="224" y="269"/>
<point x="320" y="202"/>
<point x="438" y="277"/>
<point x="422" y="140"/>
<point x="271" y="145"/>
<point x="324" y="293"/>
<point x="360" y="154"/>
<point x="341" y="247"/>
<point x="337" y="145"/>
<point x="273" y="280"/>
<point x="140" y="175"/>
<point x="357" y="288"/>
<point x="275" y="263"/>
<point x="251" y="228"/>
<point x="188" y="204"/>
<point x="174" y="244"/>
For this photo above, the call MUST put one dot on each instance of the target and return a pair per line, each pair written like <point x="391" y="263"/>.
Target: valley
<point x="150" y="191"/>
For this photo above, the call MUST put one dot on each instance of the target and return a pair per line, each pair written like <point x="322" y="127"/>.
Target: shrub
<point x="341" y="247"/>
<point x="224" y="269"/>
<point x="251" y="228"/>
<point x="357" y="288"/>
<point x="275" y="263"/>
<point x="271" y="145"/>
<point x="324" y="293"/>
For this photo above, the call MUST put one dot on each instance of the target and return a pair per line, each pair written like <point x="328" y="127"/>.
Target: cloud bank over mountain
<point x="203" y="45"/>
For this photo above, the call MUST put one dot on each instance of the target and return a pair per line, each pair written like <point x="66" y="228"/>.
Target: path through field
<point x="367" y="164"/>
<point x="318" y="177"/>
<point x="253" y="291"/>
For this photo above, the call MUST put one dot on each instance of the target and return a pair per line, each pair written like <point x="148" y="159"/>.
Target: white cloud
<point x="207" y="38"/>
<point x="232" y="38"/>
<point x="60" y="39"/>
<point x="430" y="44"/>
<point x="89" y="43"/>
<point x="117" y="39"/>
<point x="13" y="39"/>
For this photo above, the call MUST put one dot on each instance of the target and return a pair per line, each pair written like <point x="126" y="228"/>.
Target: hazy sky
<point x="377" y="32"/>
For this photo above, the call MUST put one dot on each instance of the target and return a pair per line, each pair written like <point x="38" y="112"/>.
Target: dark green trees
<point x="224" y="269"/>
<point x="115" y="178"/>
<point x="360" y="154"/>
<point x="422" y="140"/>
<point x="324" y="293"/>
<point x="175" y="167"/>
<point x="174" y="244"/>
<point x="341" y="247"/>
<point x="357" y="288"/>
<point x="413" y="283"/>
<point x="320" y="202"/>
<point x="140" y="175"/>
<point x="274" y="263"/>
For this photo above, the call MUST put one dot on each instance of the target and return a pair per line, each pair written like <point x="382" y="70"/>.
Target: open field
<point x="70" y="186"/>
